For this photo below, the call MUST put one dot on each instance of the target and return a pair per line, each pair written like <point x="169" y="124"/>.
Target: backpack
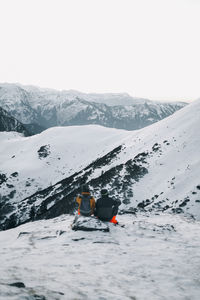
<point x="85" y="208"/>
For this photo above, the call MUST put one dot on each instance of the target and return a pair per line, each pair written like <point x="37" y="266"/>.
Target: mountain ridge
<point x="49" y="108"/>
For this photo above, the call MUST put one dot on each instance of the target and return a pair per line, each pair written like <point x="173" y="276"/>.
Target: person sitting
<point x="86" y="202"/>
<point x="107" y="208"/>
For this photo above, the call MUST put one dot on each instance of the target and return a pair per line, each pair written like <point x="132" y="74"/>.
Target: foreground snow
<point x="153" y="257"/>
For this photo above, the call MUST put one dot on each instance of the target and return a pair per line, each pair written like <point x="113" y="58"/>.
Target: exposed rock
<point x="18" y="284"/>
<point x="9" y="123"/>
<point x="89" y="224"/>
<point x="184" y="203"/>
<point x="156" y="147"/>
<point x="144" y="203"/>
<point x="177" y="210"/>
<point x="3" y="178"/>
<point x="131" y="211"/>
<point x="44" y="151"/>
<point x="15" y="174"/>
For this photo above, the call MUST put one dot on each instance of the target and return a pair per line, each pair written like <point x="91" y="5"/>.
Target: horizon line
<point x="153" y="98"/>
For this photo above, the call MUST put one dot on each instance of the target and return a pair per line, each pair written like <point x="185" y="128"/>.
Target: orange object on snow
<point x="113" y="220"/>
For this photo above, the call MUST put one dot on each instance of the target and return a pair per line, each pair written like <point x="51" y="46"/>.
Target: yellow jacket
<point x="92" y="202"/>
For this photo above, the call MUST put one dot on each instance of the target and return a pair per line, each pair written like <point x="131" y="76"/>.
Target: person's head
<point x="85" y="188"/>
<point x="104" y="192"/>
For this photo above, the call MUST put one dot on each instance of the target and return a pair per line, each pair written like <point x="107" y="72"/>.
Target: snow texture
<point x="154" y="257"/>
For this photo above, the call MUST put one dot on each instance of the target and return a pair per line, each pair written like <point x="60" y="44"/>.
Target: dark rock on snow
<point x="89" y="224"/>
<point x="18" y="284"/>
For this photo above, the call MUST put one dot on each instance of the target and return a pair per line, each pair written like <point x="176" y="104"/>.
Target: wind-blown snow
<point x="153" y="257"/>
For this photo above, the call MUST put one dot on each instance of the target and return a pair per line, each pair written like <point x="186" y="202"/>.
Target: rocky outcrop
<point x="9" y="123"/>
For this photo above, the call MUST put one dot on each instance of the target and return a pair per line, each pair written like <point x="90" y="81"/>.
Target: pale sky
<point x="147" y="48"/>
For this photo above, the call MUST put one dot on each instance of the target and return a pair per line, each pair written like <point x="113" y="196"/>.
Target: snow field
<point x="153" y="257"/>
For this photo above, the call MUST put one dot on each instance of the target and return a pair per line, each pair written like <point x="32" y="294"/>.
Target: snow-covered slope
<point x="34" y="163"/>
<point x="48" y="108"/>
<point x="153" y="168"/>
<point x="154" y="257"/>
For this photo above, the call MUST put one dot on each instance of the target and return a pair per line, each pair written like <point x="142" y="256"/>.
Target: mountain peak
<point x="47" y="108"/>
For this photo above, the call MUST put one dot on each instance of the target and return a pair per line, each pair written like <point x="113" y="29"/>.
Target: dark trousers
<point x="115" y="210"/>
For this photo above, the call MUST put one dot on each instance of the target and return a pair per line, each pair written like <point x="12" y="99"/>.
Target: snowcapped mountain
<point x="48" y="108"/>
<point x="155" y="168"/>
<point x="8" y="123"/>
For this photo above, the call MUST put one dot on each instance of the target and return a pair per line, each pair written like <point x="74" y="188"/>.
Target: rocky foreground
<point x="152" y="257"/>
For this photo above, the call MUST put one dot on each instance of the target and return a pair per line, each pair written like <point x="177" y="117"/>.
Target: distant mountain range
<point x="39" y="109"/>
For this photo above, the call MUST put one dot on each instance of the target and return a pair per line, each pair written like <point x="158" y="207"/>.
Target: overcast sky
<point x="147" y="48"/>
